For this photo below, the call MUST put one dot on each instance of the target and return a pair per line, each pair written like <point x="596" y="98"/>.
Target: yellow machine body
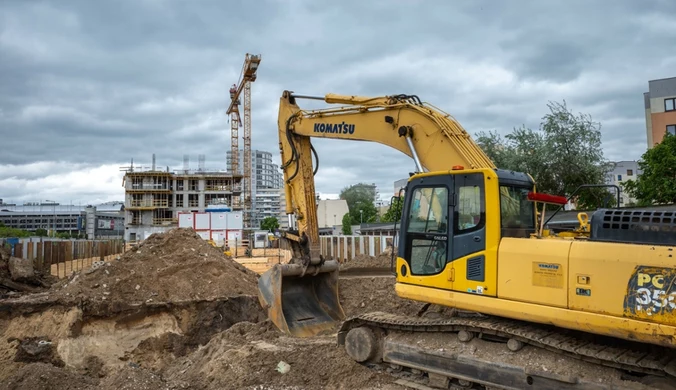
<point x="469" y="236"/>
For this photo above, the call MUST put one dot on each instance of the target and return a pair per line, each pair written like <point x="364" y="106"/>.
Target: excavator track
<point x="372" y="343"/>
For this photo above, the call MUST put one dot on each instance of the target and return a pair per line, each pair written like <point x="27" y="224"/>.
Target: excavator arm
<point x="305" y="306"/>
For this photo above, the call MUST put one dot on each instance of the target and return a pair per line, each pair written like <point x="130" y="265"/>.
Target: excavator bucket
<point x="302" y="306"/>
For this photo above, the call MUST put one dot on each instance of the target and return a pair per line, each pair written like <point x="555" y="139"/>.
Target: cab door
<point x="472" y="270"/>
<point x="425" y="243"/>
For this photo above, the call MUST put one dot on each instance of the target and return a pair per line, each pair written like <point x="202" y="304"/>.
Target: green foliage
<point x="41" y="232"/>
<point x="657" y="182"/>
<point x="393" y="213"/>
<point x="564" y="153"/>
<point x="12" y="232"/>
<point x="270" y="224"/>
<point x="347" y="224"/>
<point x="360" y="201"/>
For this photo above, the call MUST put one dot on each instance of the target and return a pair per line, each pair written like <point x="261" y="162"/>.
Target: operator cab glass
<point x="427" y="226"/>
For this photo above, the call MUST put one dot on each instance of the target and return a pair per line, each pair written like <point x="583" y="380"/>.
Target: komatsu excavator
<point x="472" y="238"/>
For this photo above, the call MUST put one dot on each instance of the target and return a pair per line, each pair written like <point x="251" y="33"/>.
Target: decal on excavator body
<point x="338" y="128"/>
<point x="651" y="292"/>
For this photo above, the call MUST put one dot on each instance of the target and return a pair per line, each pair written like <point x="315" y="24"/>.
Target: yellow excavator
<point x="471" y="239"/>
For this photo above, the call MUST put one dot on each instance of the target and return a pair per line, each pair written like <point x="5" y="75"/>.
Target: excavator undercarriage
<point x="474" y="351"/>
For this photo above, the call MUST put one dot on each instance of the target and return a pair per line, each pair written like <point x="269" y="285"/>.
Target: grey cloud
<point x="104" y="82"/>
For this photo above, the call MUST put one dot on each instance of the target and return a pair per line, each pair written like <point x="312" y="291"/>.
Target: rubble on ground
<point x="18" y="276"/>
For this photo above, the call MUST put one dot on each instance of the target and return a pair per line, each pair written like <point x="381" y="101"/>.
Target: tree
<point x="360" y="202"/>
<point x="41" y="232"/>
<point x="13" y="232"/>
<point x="347" y="224"/>
<point x="657" y="182"/>
<point x="270" y="224"/>
<point x="393" y="213"/>
<point x="564" y="153"/>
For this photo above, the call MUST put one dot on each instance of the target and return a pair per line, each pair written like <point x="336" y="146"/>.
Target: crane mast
<point x="247" y="76"/>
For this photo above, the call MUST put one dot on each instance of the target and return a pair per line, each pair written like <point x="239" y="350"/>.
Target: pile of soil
<point x="364" y="295"/>
<point x="383" y="260"/>
<point x="175" y="266"/>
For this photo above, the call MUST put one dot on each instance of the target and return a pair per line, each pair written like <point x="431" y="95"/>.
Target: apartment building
<point x="622" y="172"/>
<point x="266" y="179"/>
<point x="268" y="204"/>
<point x="154" y="198"/>
<point x="660" y="109"/>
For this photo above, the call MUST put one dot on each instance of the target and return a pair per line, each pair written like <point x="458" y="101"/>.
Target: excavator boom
<point x="305" y="306"/>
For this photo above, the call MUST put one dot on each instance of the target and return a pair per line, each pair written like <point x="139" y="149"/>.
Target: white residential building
<point x="622" y="172"/>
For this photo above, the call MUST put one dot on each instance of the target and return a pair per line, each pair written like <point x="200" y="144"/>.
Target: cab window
<point x="428" y="230"/>
<point x="469" y="207"/>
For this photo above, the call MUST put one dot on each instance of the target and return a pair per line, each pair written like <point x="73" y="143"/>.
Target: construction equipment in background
<point x="225" y="247"/>
<point x="247" y="75"/>
<point x="470" y="240"/>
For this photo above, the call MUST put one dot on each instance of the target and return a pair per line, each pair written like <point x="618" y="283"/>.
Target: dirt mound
<point x="167" y="267"/>
<point x="364" y="261"/>
<point x="235" y="360"/>
<point x="363" y="295"/>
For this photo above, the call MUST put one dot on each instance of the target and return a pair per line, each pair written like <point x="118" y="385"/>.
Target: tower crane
<point x="246" y="77"/>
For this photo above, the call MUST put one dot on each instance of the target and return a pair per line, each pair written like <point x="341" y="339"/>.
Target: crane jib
<point x="338" y="128"/>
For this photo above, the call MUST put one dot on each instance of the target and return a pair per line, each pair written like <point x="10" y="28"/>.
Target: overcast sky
<point x="85" y="86"/>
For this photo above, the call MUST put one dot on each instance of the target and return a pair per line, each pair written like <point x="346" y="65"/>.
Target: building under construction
<point x="154" y="198"/>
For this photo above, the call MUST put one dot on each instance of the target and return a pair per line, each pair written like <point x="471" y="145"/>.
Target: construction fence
<point x="345" y="248"/>
<point x="62" y="257"/>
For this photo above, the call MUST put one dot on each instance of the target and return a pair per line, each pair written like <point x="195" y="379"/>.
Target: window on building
<point x="630" y="172"/>
<point x="671" y="129"/>
<point x="670" y="104"/>
<point x="619" y="177"/>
